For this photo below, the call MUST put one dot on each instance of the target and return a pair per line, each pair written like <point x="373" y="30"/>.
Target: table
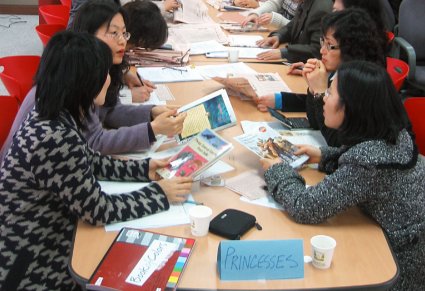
<point x="362" y="257"/>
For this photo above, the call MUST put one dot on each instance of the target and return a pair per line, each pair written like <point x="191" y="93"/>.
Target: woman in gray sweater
<point x="376" y="169"/>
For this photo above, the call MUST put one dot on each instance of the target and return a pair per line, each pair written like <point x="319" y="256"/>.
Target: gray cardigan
<point x="385" y="181"/>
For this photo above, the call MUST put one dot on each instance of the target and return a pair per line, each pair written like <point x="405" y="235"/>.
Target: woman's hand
<point x="140" y="94"/>
<point x="271" y="41"/>
<point x="294" y="69"/>
<point x="316" y="76"/>
<point x="159" y="109"/>
<point x="176" y="189"/>
<point x="265" y="19"/>
<point x="314" y="153"/>
<point x="265" y="101"/>
<point x="246" y="3"/>
<point x="167" y="124"/>
<point x="270" y="55"/>
<point x="250" y="18"/>
<point x="267" y="163"/>
<point x="171" y="5"/>
<point x="155" y="165"/>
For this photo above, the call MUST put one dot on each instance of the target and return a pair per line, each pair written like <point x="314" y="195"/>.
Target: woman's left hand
<point x="315" y="74"/>
<point x="267" y="163"/>
<point x="155" y="165"/>
<point x="159" y="109"/>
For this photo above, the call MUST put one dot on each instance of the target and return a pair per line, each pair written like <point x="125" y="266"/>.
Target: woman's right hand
<point x="264" y="19"/>
<point x="263" y="102"/>
<point x="314" y="153"/>
<point x="294" y="69"/>
<point x="176" y="189"/>
<point x="271" y="41"/>
<point x="167" y="124"/>
<point x="250" y="18"/>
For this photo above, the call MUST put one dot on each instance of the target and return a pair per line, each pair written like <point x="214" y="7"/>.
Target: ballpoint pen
<point x="140" y="79"/>
<point x="193" y="202"/>
<point x="290" y="64"/>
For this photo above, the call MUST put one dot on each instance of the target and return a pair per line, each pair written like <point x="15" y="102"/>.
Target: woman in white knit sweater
<point x="273" y="12"/>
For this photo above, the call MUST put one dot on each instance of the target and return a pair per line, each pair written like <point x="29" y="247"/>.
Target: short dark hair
<point x="89" y="18"/>
<point x="372" y="7"/>
<point x="373" y="109"/>
<point x="72" y="72"/>
<point x="357" y="35"/>
<point x="146" y="24"/>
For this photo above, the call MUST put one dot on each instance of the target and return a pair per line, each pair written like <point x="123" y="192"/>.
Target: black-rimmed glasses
<point x="328" y="46"/>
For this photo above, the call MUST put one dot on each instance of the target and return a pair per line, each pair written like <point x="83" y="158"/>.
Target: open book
<point x="267" y="143"/>
<point x="213" y="111"/>
<point x="142" y="260"/>
<point x="196" y="156"/>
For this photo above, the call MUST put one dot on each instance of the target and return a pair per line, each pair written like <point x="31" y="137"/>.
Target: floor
<point x="18" y="37"/>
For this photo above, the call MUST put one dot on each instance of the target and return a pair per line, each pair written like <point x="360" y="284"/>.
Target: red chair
<point x="398" y="71"/>
<point x="66" y="2"/>
<point x="46" y="31"/>
<point x="18" y="73"/>
<point x="55" y="14"/>
<point x="390" y="36"/>
<point x="415" y="107"/>
<point x="9" y="106"/>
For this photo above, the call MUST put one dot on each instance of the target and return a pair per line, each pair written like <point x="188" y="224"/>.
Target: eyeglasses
<point x="328" y="46"/>
<point x="117" y="36"/>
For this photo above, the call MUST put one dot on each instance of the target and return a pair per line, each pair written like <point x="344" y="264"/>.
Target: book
<point x="142" y="260"/>
<point x="213" y="111"/>
<point x="267" y="143"/>
<point x="196" y="156"/>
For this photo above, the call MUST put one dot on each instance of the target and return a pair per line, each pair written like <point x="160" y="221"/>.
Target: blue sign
<point x="260" y="259"/>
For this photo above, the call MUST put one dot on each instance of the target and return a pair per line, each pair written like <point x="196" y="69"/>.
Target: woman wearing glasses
<point x="376" y="169"/>
<point x="347" y="35"/>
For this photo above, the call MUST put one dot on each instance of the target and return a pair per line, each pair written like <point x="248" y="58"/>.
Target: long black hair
<point x="72" y="72"/>
<point x="90" y="17"/>
<point x="372" y="107"/>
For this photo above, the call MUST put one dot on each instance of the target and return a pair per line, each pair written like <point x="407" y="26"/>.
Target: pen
<point x="193" y="202"/>
<point x="140" y="79"/>
<point x="290" y="64"/>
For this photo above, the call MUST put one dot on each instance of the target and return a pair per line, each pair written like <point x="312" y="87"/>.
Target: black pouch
<point x="232" y="223"/>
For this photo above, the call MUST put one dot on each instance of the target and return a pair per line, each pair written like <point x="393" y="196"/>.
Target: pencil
<point x="290" y="64"/>
<point x="140" y="79"/>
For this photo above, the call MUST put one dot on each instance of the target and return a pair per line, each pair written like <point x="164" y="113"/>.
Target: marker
<point x="193" y="202"/>
<point x="290" y="64"/>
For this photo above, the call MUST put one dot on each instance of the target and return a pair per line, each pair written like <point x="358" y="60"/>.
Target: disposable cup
<point x="200" y="217"/>
<point x="322" y="250"/>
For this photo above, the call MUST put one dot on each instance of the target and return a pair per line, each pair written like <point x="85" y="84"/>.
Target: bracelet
<point x="319" y="95"/>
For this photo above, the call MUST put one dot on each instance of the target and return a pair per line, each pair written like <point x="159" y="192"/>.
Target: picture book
<point x="267" y="143"/>
<point x="213" y="111"/>
<point x="196" y="156"/>
<point x="142" y="260"/>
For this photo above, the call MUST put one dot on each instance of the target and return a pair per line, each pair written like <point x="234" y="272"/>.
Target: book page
<point x="189" y="33"/>
<point x="248" y="184"/>
<point x="196" y="120"/>
<point x="192" y="11"/>
<point x="266" y="83"/>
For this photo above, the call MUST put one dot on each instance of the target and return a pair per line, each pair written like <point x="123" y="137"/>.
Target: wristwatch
<point x="319" y="95"/>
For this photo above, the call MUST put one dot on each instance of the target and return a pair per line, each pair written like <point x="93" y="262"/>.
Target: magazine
<point x="213" y="111"/>
<point x="267" y="143"/>
<point x="195" y="157"/>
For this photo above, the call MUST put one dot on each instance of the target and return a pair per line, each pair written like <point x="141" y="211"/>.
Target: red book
<point x="142" y="260"/>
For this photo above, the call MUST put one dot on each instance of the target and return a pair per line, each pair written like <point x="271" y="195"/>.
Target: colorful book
<point x="197" y="155"/>
<point x="142" y="260"/>
<point x="267" y="143"/>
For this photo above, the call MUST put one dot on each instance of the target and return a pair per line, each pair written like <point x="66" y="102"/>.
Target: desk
<point x="362" y="256"/>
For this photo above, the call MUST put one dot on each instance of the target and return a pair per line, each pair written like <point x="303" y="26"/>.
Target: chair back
<point x="411" y="14"/>
<point x="398" y="71"/>
<point x="66" y="2"/>
<point x="55" y="14"/>
<point x="388" y="16"/>
<point x="9" y="107"/>
<point x="415" y="107"/>
<point x="46" y="31"/>
<point x="18" y="74"/>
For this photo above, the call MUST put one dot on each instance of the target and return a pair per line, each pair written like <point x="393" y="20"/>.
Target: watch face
<point x="319" y="95"/>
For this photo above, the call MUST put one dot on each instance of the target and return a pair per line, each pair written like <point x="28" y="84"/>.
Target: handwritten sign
<point x="265" y="259"/>
<point x="154" y="258"/>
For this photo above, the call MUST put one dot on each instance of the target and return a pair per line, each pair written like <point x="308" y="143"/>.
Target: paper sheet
<point x="202" y="47"/>
<point x="159" y="96"/>
<point x="248" y="184"/>
<point x="169" y="74"/>
<point x="224" y="70"/>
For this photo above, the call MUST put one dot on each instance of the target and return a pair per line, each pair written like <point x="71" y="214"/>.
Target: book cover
<point x="213" y="111"/>
<point x="197" y="155"/>
<point x="267" y="143"/>
<point x="142" y="260"/>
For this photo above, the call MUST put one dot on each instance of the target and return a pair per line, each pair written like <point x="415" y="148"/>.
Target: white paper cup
<point x="233" y="56"/>
<point x="200" y="217"/>
<point x="322" y="250"/>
